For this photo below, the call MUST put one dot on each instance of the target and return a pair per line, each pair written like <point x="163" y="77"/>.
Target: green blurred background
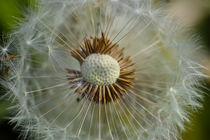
<point x="195" y="13"/>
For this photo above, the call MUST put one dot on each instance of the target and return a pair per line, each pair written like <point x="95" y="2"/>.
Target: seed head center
<point x="100" y="69"/>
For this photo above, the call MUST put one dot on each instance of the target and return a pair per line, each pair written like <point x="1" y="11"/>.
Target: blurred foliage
<point x="3" y="110"/>
<point x="204" y="31"/>
<point x="198" y="129"/>
<point x="9" y="10"/>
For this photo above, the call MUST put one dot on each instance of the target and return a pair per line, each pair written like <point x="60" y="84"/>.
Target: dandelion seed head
<point x="100" y="69"/>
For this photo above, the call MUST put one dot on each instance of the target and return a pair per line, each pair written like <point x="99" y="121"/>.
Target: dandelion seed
<point x="102" y="70"/>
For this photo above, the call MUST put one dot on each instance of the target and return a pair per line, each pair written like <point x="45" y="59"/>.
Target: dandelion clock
<point x="101" y="70"/>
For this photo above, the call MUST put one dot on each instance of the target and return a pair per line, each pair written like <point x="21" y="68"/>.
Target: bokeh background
<point x="194" y="14"/>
